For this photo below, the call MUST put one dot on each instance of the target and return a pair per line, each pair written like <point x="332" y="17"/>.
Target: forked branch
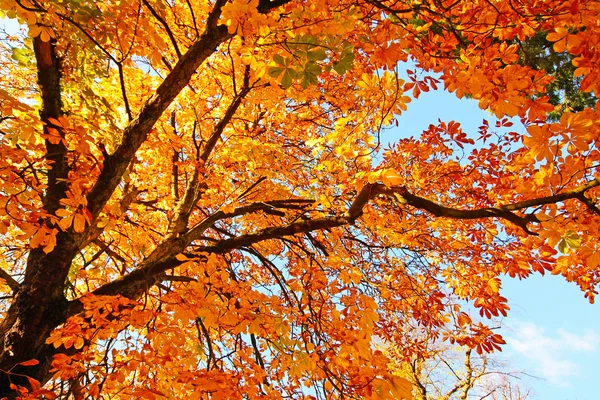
<point x="165" y="255"/>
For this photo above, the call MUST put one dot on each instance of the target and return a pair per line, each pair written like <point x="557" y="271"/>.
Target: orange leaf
<point x="401" y="388"/>
<point x="79" y="223"/>
<point x="392" y="178"/>
<point x="66" y="222"/>
<point x="35" y="385"/>
<point x="29" y="363"/>
<point x="559" y="34"/>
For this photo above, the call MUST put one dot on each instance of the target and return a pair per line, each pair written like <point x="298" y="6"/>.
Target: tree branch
<point x="502" y="211"/>
<point x="123" y="90"/>
<point x="164" y="256"/>
<point x="165" y="26"/>
<point x="264" y="6"/>
<point x="48" y="71"/>
<point x="184" y="209"/>
<point x="136" y="132"/>
<point x="10" y="281"/>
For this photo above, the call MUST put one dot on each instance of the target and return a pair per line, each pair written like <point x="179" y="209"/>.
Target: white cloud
<point x="590" y="341"/>
<point x="555" y="356"/>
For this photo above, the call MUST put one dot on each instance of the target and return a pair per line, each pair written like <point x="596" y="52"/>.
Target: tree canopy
<point x="195" y="201"/>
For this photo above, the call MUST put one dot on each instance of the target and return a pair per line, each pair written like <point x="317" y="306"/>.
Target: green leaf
<point x="346" y="60"/>
<point x="279" y="59"/>
<point x="306" y="40"/>
<point x="312" y="68"/>
<point x="274" y="72"/>
<point x="316" y="55"/>
<point x="340" y="67"/>
<point x="287" y="79"/>
<point x="310" y="74"/>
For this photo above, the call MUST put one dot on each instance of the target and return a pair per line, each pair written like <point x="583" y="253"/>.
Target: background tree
<point x="564" y="91"/>
<point x="194" y="201"/>
<point x="442" y="371"/>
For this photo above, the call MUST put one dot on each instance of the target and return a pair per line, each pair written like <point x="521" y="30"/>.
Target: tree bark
<point x="40" y="306"/>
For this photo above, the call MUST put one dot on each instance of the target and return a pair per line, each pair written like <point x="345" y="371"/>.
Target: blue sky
<point x="552" y="332"/>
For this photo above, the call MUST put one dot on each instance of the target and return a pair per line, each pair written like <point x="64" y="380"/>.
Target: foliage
<point x="564" y="91"/>
<point x="194" y="202"/>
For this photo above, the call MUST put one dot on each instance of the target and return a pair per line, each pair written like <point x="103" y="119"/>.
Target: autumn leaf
<point x="218" y="200"/>
<point x="29" y="363"/>
<point x="391" y="178"/>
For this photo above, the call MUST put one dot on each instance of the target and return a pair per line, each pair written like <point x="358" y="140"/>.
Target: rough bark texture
<point x="39" y="304"/>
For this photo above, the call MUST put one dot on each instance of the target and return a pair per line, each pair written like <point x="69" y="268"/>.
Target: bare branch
<point x="180" y="220"/>
<point x="123" y="91"/>
<point x="502" y="211"/>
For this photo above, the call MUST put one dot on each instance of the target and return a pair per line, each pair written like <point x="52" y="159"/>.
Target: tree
<point x="564" y="91"/>
<point x="445" y="372"/>
<point x="195" y="202"/>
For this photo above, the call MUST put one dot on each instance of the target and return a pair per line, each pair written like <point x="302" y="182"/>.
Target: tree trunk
<point x="38" y="308"/>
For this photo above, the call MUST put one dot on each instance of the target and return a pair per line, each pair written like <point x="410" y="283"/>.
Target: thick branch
<point x="290" y="204"/>
<point x="48" y="71"/>
<point x="225" y="246"/>
<point x="164" y="256"/>
<point x="136" y="132"/>
<point x="148" y="274"/>
<point x="502" y="211"/>
<point x="10" y="281"/>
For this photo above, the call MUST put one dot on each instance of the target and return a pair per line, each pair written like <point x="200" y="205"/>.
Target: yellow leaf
<point x="493" y="286"/>
<point x="400" y="199"/>
<point x="102" y="221"/>
<point x="373" y="177"/>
